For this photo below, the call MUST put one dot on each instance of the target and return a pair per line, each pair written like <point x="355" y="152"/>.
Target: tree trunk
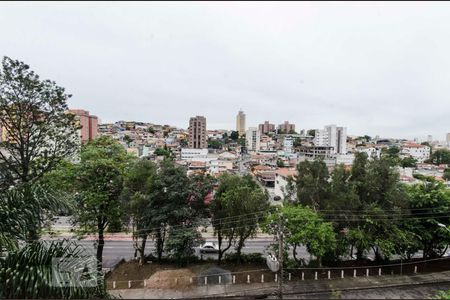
<point x="34" y="223"/>
<point x="239" y="249"/>
<point x="294" y="253"/>
<point x="359" y="254"/>
<point x="160" y="235"/>
<point x="219" y="244"/>
<point x="142" y="250"/>
<point x="100" y="245"/>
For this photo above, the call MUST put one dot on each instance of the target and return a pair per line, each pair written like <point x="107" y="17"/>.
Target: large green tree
<point x="306" y="227"/>
<point x="138" y="187"/>
<point x="37" y="131"/>
<point x="381" y="201"/>
<point x="98" y="184"/>
<point x="312" y="183"/>
<point x="441" y="156"/>
<point x="238" y="206"/>
<point x="430" y="204"/>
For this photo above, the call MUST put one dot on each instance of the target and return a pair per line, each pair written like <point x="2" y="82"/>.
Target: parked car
<point x="276" y="198"/>
<point x="209" y="247"/>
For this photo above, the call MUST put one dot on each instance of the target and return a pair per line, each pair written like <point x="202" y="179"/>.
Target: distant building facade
<point x="419" y="152"/>
<point x="189" y="154"/>
<point x="288" y="144"/>
<point x="252" y="139"/>
<point x="197" y="133"/>
<point x="332" y="136"/>
<point x="89" y="124"/>
<point x="240" y="123"/>
<point x="448" y="139"/>
<point x="286" y="127"/>
<point x="266" y="127"/>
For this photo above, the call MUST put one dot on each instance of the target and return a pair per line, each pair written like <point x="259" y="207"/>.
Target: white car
<point x="209" y="247"/>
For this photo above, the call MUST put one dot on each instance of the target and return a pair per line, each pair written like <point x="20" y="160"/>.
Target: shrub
<point x="245" y="258"/>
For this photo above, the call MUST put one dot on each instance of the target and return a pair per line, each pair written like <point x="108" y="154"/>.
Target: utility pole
<point x="280" y="255"/>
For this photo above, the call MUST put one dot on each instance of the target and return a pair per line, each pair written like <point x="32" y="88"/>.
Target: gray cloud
<point x="377" y="68"/>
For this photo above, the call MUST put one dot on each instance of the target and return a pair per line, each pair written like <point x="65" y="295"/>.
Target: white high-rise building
<point x="252" y="139"/>
<point x="448" y="139"/>
<point x="240" y="123"/>
<point x="288" y="144"/>
<point x="332" y="136"/>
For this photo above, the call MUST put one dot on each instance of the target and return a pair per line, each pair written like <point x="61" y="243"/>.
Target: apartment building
<point x="419" y="152"/>
<point x="89" y="124"/>
<point x="197" y="133"/>
<point x="286" y="127"/>
<point x="252" y="138"/>
<point x="266" y="127"/>
<point x="332" y="136"/>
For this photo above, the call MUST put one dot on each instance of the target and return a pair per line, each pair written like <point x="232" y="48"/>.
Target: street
<point x="116" y="250"/>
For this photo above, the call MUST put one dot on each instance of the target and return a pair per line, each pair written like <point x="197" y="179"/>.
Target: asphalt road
<point x="114" y="251"/>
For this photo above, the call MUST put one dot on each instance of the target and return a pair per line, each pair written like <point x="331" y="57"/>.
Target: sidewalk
<point x="293" y="287"/>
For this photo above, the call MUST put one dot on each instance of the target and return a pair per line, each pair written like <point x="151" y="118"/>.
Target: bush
<point x="245" y="258"/>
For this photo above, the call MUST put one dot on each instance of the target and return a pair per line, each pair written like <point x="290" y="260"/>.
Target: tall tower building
<point x="240" y="123"/>
<point x="197" y="133"/>
<point x="89" y="124"/>
<point x="448" y="139"/>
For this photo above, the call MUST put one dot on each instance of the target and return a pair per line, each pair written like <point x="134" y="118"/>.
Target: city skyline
<point x="310" y="64"/>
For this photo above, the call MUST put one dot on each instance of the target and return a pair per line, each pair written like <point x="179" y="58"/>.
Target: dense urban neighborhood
<point x="224" y="150"/>
<point x="135" y="200"/>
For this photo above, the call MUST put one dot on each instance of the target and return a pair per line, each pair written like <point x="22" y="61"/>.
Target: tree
<point x="138" y="186"/>
<point x="127" y="139"/>
<point x="234" y="135"/>
<point x="98" y="185"/>
<point x="151" y="130"/>
<point x="442" y="295"/>
<point x="179" y="210"/>
<point x="441" y="156"/>
<point x="392" y="154"/>
<point x="297" y="142"/>
<point x="26" y="271"/>
<point x="306" y="227"/>
<point x="311" y="132"/>
<point x="312" y="183"/>
<point x="163" y="152"/>
<point x="170" y="198"/>
<point x="408" y="162"/>
<point x="430" y="203"/>
<point x="344" y="203"/>
<point x="215" y="144"/>
<point x="446" y="175"/>
<point x="39" y="133"/>
<point x="183" y="143"/>
<point x="280" y="163"/>
<point x="181" y="243"/>
<point x="233" y="211"/>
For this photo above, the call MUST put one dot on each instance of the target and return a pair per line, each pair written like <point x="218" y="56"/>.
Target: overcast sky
<point x="376" y="68"/>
